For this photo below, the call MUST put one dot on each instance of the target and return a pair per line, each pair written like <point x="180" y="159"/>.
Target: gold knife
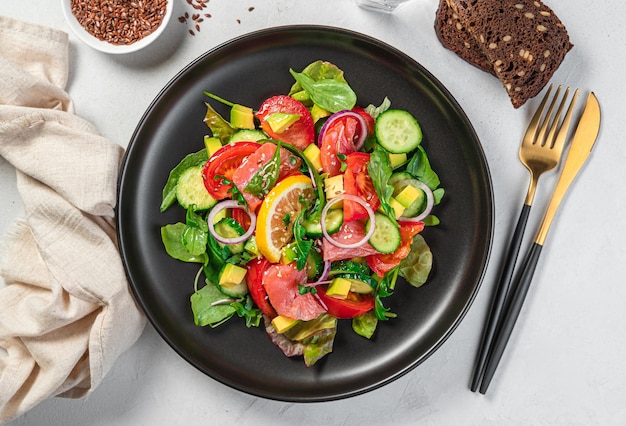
<point x="584" y="140"/>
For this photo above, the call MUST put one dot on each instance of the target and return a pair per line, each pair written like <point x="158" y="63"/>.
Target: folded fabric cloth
<point x="66" y="311"/>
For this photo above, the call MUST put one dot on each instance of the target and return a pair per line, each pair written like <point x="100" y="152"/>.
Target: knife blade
<point x="584" y="139"/>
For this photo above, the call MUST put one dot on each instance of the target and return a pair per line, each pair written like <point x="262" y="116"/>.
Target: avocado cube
<point x="241" y="117"/>
<point x="212" y="144"/>
<point x="232" y="275"/>
<point x="282" y="324"/>
<point x="397" y="207"/>
<point x="333" y="186"/>
<point x="409" y="195"/>
<point x="318" y="113"/>
<point x="339" y="287"/>
<point x="280" y="121"/>
<point x="397" y="160"/>
<point x="313" y="154"/>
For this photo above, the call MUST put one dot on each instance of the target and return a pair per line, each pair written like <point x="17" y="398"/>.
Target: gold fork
<point x="540" y="151"/>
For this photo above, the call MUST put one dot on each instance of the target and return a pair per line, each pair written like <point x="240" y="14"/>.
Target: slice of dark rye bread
<point x="522" y="42"/>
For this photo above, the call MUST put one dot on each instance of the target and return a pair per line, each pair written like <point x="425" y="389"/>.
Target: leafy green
<point x="419" y="166"/>
<point x="385" y="289"/>
<point x="318" y="70"/>
<point x="195" y="235"/>
<point x="416" y="267"/>
<point x="219" y="126"/>
<point x="327" y="93"/>
<point x="171" y="235"/>
<point x="246" y="309"/>
<point x="318" y="345"/>
<point x="349" y="267"/>
<point x="380" y="171"/>
<point x="375" y="111"/>
<point x="207" y="309"/>
<point x="265" y="178"/>
<point x="365" y="325"/>
<point x="169" y="190"/>
<point x="302" y="246"/>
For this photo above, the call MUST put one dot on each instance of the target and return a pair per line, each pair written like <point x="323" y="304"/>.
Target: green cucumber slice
<point x="398" y="131"/>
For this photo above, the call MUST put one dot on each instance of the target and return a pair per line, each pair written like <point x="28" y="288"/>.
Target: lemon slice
<point x="278" y="212"/>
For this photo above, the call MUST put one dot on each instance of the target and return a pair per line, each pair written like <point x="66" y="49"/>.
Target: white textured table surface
<point x="566" y="362"/>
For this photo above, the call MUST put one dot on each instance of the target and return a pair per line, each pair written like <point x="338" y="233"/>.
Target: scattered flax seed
<point x="239" y="21"/>
<point x="251" y="8"/>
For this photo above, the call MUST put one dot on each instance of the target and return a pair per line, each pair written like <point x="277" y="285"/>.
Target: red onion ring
<point x="230" y="204"/>
<point x="361" y="135"/>
<point x="367" y="208"/>
<point x="430" y="202"/>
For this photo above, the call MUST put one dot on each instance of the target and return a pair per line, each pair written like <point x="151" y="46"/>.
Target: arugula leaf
<point x="385" y="289"/>
<point x="380" y="171"/>
<point x="169" y="190"/>
<point x="245" y="309"/>
<point x="329" y="94"/>
<point x="171" y="235"/>
<point x="302" y="246"/>
<point x="265" y="178"/>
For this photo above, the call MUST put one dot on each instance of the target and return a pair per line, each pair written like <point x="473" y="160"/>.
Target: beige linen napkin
<point x="66" y="312"/>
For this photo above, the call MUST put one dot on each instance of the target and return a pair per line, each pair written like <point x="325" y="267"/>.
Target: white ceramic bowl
<point x="107" y="47"/>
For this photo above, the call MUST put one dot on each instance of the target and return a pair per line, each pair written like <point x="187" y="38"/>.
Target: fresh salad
<point x="303" y="212"/>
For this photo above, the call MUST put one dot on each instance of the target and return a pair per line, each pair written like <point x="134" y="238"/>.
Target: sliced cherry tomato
<point x="301" y="133"/>
<point x="357" y="181"/>
<point x="254" y="279"/>
<point x="383" y="263"/>
<point x="223" y="164"/>
<point x="354" y="306"/>
<point x="337" y="139"/>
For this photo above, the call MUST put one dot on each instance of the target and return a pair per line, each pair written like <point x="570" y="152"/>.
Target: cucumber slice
<point x="386" y="237"/>
<point x="334" y="220"/>
<point x="251" y="135"/>
<point x="230" y="228"/>
<point x="190" y="190"/>
<point x="398" y="131"/>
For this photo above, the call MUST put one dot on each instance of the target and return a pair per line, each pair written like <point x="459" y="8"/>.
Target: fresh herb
<point x="329" y="94"/>
<point x="380" y="171"/>
<point x="235" y="193"/>
<point x="245" y="308"/>
<point x="302" y="246"/>
<point x="385" y="289"/>
<point x="208" y="307"/>
<point x="265" y="178"/>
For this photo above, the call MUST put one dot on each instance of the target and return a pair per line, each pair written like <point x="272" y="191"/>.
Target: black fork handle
<point x="512" y="313"/>
<point x="501" y="291"/>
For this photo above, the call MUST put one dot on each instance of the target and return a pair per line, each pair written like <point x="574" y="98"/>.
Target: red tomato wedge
<point x="281" y="283"/>
<point x="357" y="181"/>
<point x="369" y="120"/>
<point x="353" y="306"/>
<point x="254" y="279"/>
<point x="383" y="263"/>
<point x="223" y="164"/>
<point x="289" y="163"/>
<point x="301" y="133"/>
<point x="349" y="233"/>
<point x="337" y="139"/>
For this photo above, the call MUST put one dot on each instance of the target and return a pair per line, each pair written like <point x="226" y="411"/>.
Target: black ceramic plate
<point x="248" y="70"/>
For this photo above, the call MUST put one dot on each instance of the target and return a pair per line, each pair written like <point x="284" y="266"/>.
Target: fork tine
<point x="541" y="135"/>
<point x="531" y="131"/>
<point x="555" y="121"/>
<point x="560" y="137"/>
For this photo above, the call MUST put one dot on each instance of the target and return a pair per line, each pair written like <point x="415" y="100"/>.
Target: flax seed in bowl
<point x="117" y="26"/>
